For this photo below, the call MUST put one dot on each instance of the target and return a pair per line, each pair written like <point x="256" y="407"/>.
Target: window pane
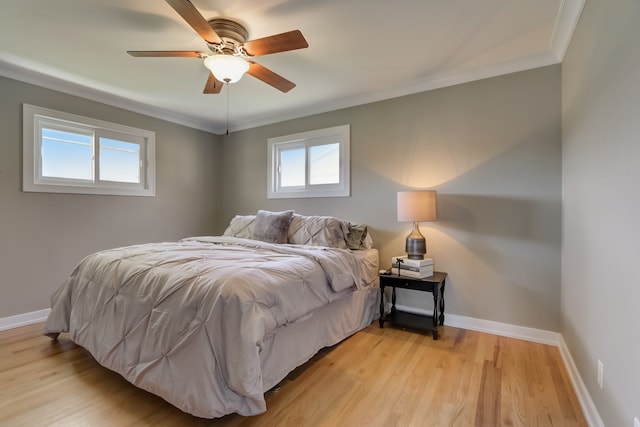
<point x="119" y="161"/>
<point x="292" y="164"/>
<point x="67" y="155"/>
<point x="324" y="164"/>
<point x="309" y="164"/>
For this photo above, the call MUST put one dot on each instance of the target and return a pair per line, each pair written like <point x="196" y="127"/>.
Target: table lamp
<point x="416" y="206"/>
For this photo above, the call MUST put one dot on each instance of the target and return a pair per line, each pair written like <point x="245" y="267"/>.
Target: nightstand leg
<point x="435" y="315"/>
<point x="381" y="320"/>
<point x="442" y="304"/>
<point x="393" y="300"/>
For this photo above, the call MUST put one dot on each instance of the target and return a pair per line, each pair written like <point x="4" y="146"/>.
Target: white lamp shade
<point x="417" y="206"/>
<point x="226" y="68"/>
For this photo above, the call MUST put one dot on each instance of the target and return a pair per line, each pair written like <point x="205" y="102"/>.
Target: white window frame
<point x="337" y="134"/>
<point x="33" y="120"/>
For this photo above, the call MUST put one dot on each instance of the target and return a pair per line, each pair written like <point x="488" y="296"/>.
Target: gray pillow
<point x="357" y="235"/>
<point x="272" y="227"/>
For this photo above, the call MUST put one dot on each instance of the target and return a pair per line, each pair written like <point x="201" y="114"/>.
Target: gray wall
<point x="601" y="201"/>
<point x="491" y="148"/>
<point x="43" y="236"/>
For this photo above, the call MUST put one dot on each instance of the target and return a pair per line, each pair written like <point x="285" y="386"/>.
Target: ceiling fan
<point x="229" y="50"/>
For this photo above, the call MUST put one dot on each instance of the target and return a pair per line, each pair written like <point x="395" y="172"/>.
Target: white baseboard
<point x="588" y="407"/>
<point x="23" y="319"/>
<point x="490" y="327"/>
<point x="503" y="329"/>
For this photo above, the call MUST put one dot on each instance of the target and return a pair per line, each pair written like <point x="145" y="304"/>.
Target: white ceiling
<point x="359" y="51"/>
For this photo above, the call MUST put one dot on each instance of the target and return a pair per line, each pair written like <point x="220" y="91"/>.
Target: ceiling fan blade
<point x="189" y="13"/>
<point x="213" y="85"/>
<point x="165" y="53"/>
<point x="291" y="40"/>
<point x="269" y="77"/>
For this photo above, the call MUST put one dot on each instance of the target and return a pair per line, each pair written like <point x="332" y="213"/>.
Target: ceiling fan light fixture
<point x="226" y="68"/>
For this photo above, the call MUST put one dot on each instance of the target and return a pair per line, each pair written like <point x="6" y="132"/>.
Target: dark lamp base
<point x="416" y="245"/>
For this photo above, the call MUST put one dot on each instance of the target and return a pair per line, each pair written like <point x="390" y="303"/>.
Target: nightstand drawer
<point x="428" y="284"/>
<point x="408" y="283"/>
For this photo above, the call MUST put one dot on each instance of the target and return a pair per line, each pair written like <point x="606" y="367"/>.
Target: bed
<point x="211" y="323"/>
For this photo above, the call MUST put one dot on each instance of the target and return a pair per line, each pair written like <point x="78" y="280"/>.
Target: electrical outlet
<point x="600" y="373"/>
<point x="636" y="422"/>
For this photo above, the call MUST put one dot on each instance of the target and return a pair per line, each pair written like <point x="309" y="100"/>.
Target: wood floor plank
<point x="488" y="408"/>
<point x="379" y="377"/>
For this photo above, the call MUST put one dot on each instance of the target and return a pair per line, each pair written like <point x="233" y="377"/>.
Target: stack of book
<point x="416" y="268"/>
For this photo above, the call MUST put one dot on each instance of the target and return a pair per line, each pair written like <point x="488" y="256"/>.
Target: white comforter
<point x="185" y="320"/>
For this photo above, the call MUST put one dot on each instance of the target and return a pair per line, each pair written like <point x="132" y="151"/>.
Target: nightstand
<point x="434" y="284"/>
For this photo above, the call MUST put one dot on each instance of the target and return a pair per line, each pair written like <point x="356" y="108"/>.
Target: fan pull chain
<point x="227" y="85"/>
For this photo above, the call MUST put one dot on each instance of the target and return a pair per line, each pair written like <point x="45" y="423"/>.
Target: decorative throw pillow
<point x="357" y="236"/>
<point x="318" y="231"/>
<point x="241" y="226"/>
<point x="272" y="227"/>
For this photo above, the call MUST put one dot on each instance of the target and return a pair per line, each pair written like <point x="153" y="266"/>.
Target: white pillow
<point x="241" y="226"/>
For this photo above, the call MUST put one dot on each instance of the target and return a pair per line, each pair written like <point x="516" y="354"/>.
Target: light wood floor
<point x="378" y="377"/>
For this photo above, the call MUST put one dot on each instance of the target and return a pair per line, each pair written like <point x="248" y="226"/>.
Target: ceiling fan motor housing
<point x="232" y="34"/>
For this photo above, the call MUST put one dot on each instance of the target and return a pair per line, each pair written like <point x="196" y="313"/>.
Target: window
<point x="65" y="153"/>
<point x="309" y="164"/>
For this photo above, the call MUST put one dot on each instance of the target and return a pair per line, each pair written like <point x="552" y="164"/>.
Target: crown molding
<point x="26" y="75"/>
<point x="565" y="25"/>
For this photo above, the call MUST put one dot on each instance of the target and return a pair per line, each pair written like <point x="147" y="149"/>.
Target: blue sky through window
<point x="324" y="165"/>
<point x="70" y="155"/>
<point x="67" y="155"/>
<point x="119" y="161"/>
<point x="292" y="164"/>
